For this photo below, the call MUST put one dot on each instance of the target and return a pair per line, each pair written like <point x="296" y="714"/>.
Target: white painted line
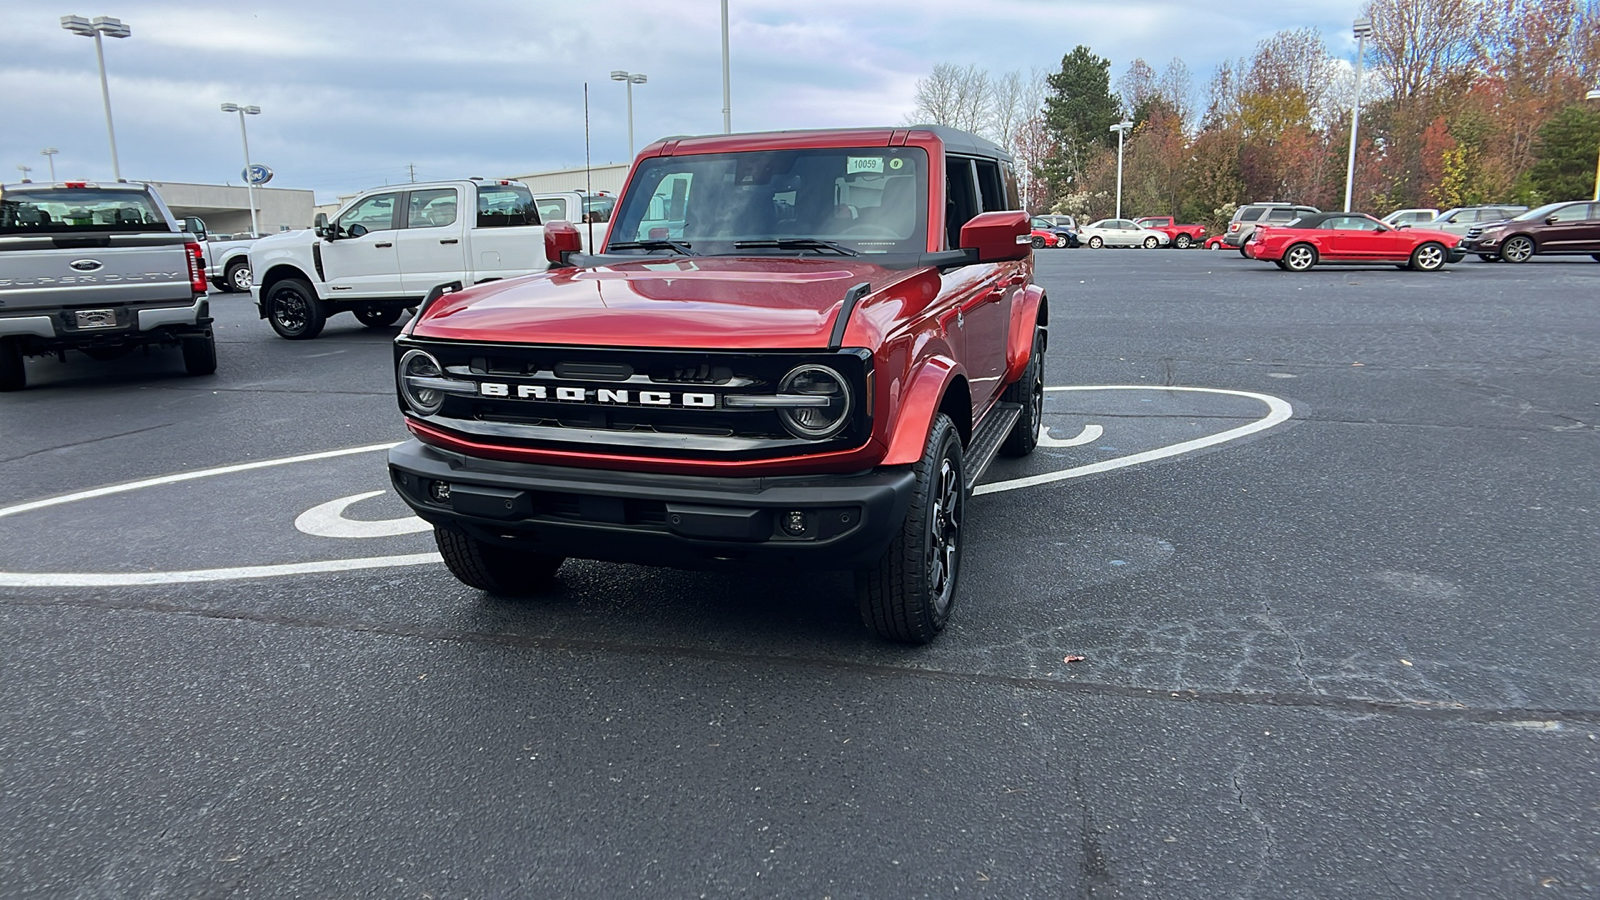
<point x="187" y="476"/>
<point x="1088" y="435"/>
<point x="327" y="520"/>
<point x="125" y="579"/>
<point x="1279" y="411"/>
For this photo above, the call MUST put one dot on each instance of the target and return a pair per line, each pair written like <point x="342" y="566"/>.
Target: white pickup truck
<point x="389" y="248"/>
<point x="227" y="255"/>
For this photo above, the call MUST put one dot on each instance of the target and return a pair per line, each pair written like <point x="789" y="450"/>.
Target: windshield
<point x="867" y="200"/>
<point x="74" y="209"/>
<point x="1540" y="213"/>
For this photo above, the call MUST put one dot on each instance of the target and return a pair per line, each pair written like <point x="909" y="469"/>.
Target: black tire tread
<point x="13" y="375"/>
<point x="227" y="275"/>
<point x="889" y="593"/>
<point x="498" y="570"/>
<point x="1024" y="434"/>
<point x="200" y="354"/>
<point x="317" y="314"/>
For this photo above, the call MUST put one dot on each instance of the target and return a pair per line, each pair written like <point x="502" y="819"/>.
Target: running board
<point x="986" y="441"/>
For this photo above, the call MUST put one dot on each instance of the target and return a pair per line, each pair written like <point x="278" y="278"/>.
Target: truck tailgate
<point x="98" y="270"/>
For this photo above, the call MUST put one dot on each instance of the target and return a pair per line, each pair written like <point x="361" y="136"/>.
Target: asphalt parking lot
<point x="1325" y="543"/>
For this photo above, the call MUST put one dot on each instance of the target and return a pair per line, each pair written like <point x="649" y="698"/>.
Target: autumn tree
<point x="1078" y="113"/>
<point x="1567" y="148"/>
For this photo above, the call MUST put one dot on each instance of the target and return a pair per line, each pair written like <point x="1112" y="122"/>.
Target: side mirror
<point x="320" y="225"/>
<point x="1551" y="220"/>
<point x="561" y="240"/>
<point x="998" y="236"/>
<point x="195" y="226"/>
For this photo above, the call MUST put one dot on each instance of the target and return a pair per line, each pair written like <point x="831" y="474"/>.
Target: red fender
<point x="919" y="403"/>
<point x="1019" y="342"/>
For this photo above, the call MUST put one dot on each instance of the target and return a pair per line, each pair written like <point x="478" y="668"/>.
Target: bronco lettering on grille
<point x="607" y="396"/>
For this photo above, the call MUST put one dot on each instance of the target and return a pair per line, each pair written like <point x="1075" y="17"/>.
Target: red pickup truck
<point x="794" y="350"/>
<point x="1183" y="236"/>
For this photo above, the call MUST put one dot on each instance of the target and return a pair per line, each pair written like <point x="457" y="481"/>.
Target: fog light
<point x="794" y="523"/>
<point x="439" y="491"/>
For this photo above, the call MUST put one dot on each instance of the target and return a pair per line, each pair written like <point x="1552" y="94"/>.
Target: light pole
<point x="1363" y="30"/>
<point x="50" y="154"/>
<point x="24" y="168"/>
<point x="727" y="102"/>
<point x="1595" y="95"/>
<point x="114" y="28"/>
<point x="1120" y="128"/>
<point x="631" y="79"/>
<point x="249" y="182"/>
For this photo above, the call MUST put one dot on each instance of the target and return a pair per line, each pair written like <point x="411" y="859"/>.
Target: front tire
<point x="1300" y="258"/>
<point x="294" y="310"/>
<point x="1028" y="391"/>
<point x="1096" y="242"/>
<point x="1151" y="243"/>
<point x="1517" y="249"/>
<point x="1428" y="258"/>
<point x="13" y="376"/>
<point x="1183" y="242"/>
<point x="200" y="354"/>
<point x="493" y="568"/>
<point x="907" y="595"/>
<point x="237" y="278"/>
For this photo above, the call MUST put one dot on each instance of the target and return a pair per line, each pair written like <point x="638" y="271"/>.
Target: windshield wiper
<point x="653" y="244"/>
<point x="796" y="244"/>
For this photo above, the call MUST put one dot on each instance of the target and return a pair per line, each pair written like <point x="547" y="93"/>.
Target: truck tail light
<point x="197" y="267"/>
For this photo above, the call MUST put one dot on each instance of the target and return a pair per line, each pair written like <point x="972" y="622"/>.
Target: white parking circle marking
<point x="327" y="520"/>
<point x="1088" y="435"/>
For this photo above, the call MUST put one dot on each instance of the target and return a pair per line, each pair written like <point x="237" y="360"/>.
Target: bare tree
<point x="1422" y="47"/>
<point x="960" y="97"/>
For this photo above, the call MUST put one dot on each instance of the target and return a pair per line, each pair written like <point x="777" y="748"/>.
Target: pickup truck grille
<point x="657" y="403"/>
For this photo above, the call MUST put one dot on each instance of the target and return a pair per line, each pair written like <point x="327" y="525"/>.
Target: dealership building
<point x="226" y="208"/>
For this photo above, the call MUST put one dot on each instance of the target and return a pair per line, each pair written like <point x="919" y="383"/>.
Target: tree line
<point x="1463" y="102"/>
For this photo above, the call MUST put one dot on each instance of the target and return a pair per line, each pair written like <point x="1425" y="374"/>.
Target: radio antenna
<point x="588" y="180"/>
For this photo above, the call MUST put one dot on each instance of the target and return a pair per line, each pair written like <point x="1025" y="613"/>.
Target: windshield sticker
<point x="854" y="164"/>
<point x="896" y="163"/>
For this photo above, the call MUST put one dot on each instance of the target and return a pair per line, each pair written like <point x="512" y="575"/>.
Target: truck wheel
<point x="378" y="316"/>
<point x="492" y="568"/>
<point x="906" y="596"/>
<point x="200" y="354"/>
<point x="13" y="377"/>
<point x="294" y="310"/>
<point x="1028" y="391"/>
<point x="1183" y="242"/>
<point x="237" y="278"/>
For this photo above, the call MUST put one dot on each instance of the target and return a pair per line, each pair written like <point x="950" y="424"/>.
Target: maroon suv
<point x="1556" y="228"/>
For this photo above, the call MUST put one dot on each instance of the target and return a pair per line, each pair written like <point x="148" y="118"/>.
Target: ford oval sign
<point x="86" y="265"/>
<point x="256" y="174"/>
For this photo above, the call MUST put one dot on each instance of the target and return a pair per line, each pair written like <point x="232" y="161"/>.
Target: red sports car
<point x="1352" y="238"/>
<point x="1042" y="238"/>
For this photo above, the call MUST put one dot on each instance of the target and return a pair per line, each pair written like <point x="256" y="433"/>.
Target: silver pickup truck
<point x="101" y="269"/>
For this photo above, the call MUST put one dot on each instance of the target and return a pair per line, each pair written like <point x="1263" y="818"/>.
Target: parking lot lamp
<point x="24" y="168"/>
<point x="50" y="154"/>
<point x="113" y="28"/>
<point x="249" y="183"/>
<point x="1120" y="128"/>
<point x="727" y="90"/>
<point x="1363" y="30"/>
<point x="630" y="79"/>
<point x="1595" y="95"/>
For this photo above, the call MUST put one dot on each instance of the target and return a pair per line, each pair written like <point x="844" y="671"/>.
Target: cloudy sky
<point x="352" y="93"/>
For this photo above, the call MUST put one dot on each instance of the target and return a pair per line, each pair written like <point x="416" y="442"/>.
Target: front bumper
<point x="681" y="521"/>
<point x="1484" y="243"/>
<point x="1456" y="254"/>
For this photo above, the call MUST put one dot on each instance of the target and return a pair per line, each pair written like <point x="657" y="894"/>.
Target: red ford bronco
<point x="793" y="349"/>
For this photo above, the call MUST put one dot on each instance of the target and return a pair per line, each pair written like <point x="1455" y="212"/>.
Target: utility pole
<point x="727" y="93"/>
<point x="1363" y="30"/>
<point x="412" y="168"/>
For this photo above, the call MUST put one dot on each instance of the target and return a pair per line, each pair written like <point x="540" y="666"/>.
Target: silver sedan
<point x="1122" y="233"/>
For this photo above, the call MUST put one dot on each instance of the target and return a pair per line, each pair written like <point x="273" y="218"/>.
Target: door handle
<point x="449" y="240"/>
<point x="381" y="246"/>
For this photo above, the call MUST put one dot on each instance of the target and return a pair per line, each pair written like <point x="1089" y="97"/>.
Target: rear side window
<point x="506" y="205"/>
<point x="991" y="190"/>
<point x="431" y="209"/>
<point x="1249" y="213"/>
<point x="72" y="209"/>
<point x="1281" y="215"/>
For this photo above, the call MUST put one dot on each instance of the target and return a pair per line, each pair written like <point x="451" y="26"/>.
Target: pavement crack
<point x="1269" y="837"/>
<point x="1323" y="702"/>
<point x="1299" y="648"/>
<point x="84" y="443"/>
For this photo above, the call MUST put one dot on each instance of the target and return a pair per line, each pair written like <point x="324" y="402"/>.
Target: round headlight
<point x="416" y="368"/>
<point x="831" y="410"/>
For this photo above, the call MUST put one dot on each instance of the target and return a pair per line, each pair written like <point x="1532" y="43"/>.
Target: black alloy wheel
<point x="294" y="310"/>
<point x="907" y="595"/>
<point x="1517" y="249"/>
<point x="1038" y="242"/>
<point x="1429" y="257"/>
<point x="1028" y="391"/>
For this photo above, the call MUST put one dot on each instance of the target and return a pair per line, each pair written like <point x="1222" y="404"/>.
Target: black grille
<point x="644" y="402"/>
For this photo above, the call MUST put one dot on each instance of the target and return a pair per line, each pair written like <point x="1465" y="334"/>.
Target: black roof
<point x="1312" y="220"/>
